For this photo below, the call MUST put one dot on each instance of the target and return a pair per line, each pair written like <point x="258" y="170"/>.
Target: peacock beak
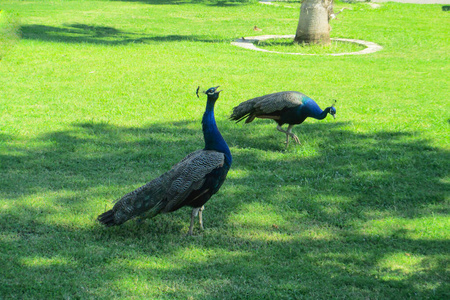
<point x="334" y="117"/>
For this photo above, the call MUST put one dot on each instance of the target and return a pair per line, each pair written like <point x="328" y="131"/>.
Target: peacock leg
<point x="280" y="129"/>
<point x="287" y="134"/>
<point x="289" y="131"/>
<point x="193" y="215"/>
<point x="200" y="219"/>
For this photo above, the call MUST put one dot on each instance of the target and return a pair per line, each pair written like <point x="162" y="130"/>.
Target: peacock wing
<point x="277" y="101"/>
<point x="146" y="201"/>
<point x="266" y="104"/>
<point x="151" y="198"/>
<point x="242" y="110"/>
<point x="190" y="174"/>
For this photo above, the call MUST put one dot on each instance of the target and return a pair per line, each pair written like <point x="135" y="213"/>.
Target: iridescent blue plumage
<point x="211" y="134"/>
<point x="191" y="182"/>
<point x="284" y="108"/>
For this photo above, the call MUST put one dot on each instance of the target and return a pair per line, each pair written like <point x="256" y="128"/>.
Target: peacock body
<point x="284" y="108"/>
<point x="191" y="182"/>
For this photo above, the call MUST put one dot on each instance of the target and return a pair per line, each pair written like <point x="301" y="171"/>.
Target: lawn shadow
<point x="384" y="171"/>
<point x="354" y="178"/>
<point x="102" y="35"/>
<point x="81" y="154"/>
<point x="256" y="135"/>
<point x="219" y="3"/>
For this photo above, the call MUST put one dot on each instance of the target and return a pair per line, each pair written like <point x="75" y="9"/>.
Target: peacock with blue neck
<point x="191" y="182"/>
<point x="284" y="108"/>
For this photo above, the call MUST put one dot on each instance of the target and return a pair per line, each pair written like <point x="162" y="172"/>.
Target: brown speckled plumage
<point x="168" y="191"/>
<point x="265" y="105"/>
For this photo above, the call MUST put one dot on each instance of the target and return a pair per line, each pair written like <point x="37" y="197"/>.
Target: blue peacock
<point x="191" y="182"/>
<point x="284" y="108"/>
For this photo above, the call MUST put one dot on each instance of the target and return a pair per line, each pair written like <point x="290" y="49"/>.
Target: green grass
<point x="98" y="97"/>
<point x="8" y="32"/>
<point x="288" y="46"/>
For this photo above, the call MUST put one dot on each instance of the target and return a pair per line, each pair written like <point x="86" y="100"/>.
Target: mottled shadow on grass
<point x="102" y="35"/>
<point x="377" y="172"/>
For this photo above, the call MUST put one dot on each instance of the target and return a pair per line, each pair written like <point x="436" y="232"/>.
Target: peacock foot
<point x="295" y="138"/>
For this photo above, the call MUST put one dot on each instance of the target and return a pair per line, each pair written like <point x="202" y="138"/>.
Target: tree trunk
<point x="313" y="24"/>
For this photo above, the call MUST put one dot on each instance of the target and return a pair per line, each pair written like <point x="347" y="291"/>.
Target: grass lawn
<point x="98" y="97"/>
<point x="288" y="46"/>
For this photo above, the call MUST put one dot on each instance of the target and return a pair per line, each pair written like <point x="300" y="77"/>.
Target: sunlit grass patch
<point x="420" y="228"/>
<point x="9" y="31"/>
<point x="258" y="215"/>
<point x="45" y="262"/>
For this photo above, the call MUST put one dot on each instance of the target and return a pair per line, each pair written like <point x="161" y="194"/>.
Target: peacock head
<point x="333" y="110"/>
<point x="212" y="93"/>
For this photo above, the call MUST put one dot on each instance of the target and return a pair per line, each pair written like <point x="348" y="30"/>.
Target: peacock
<point x="282" y="107"/>
<point x="191" y="182"/>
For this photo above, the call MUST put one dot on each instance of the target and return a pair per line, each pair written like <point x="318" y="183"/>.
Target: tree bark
<point x="313" y="24"/>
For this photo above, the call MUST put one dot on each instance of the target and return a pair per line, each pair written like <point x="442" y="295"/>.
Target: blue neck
<point x="315" y="111"/>
<point x="323" y="114"/>
<point x="213" y="138"/>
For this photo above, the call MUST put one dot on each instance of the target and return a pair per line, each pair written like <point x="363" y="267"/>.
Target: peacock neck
<point x="212" y="136"/>
<point x="321" y="114"/>
<point x="311" y="109"/>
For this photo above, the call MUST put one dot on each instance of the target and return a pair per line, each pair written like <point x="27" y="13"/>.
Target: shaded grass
<point x="99" y="97"/>
<point x="350" y="225"/>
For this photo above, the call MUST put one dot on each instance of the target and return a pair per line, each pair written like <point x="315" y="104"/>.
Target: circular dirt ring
<point x="248" y="43"/>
